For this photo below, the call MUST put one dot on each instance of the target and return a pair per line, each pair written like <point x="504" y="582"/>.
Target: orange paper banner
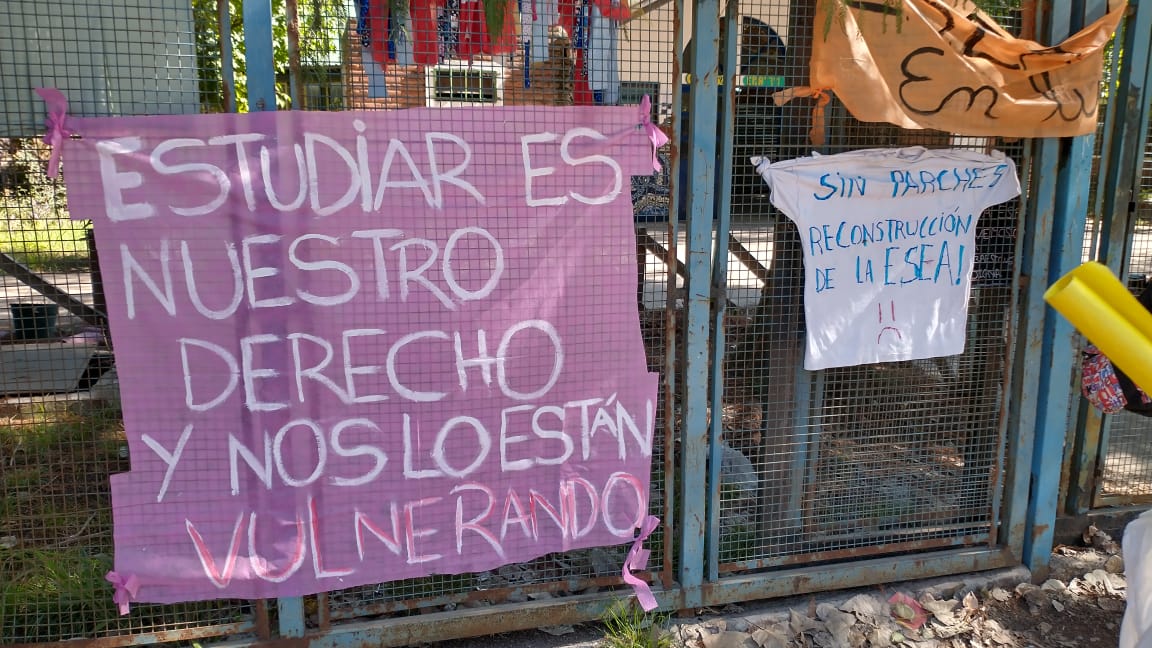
<point x="946" y="65"/>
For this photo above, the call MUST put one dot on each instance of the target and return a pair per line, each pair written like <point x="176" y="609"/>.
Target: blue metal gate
<point x="1111" y="459"/>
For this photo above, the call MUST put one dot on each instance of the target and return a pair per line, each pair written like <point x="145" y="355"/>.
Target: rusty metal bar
<point x="737" y="249"/>
<point x="855" y="553"/>
<point x="858" y="574"/>
<point x="323" y="611"/>
<point x="497" y="596"/>
<point x="24" y="275"/>
<point x="458" y="624"/>
<point x="148" y="639"/>
<point x="295" y="76"/>
<point x="666" y="255"/>
<point x="670" y="382"/>
<point x="700" y="208"/>
<point x="263" y="623"/>
<point x="1106" y="501"/>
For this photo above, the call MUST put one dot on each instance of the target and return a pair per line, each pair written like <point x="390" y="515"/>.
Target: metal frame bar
<point x="1127" y="134"/>
<point x="694" y="430"/>
<point x="670" y="385"/>
<point x="721" y="245"/>
<point x="1084" y="438"/>
<point x="460" y="623"/>
<point x="1059" y="203"/>
<point x="258" y="51"/>
<point x="261" y="67"/>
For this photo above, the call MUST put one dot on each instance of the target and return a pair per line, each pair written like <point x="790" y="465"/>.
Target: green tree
<point x="322" y="25"/>
<point x="322" y="28"/>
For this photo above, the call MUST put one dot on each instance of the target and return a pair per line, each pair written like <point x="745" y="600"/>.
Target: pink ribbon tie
<point x="637" y="559"/>
<point x="57" y="132"/>
<point x="126" y="589"/>
<point x="654" y="133"/>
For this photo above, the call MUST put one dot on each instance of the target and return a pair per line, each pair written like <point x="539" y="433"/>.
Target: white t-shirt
<point x="889" y="239"/>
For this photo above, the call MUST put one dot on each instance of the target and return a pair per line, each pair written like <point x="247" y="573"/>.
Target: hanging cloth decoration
<point x="603" y="61"/>
<point x="425" y="34"/>
<point x="474" y="35"/>
<point x="543" y="14"/>
<point x="448" y="22"/>
<point x="574" y="19"/>
<point x="536" y="18"/>
<point x="372" y="28"/>
<point x="616" y="10"/>
<point x="383" y="34"/>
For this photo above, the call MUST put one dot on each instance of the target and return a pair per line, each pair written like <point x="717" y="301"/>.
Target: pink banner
<point x="362" y="347"/>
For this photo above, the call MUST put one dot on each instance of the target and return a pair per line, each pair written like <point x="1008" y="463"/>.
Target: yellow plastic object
<point x="1101" y="308"/>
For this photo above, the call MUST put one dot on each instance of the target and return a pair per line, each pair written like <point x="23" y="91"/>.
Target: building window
<point x="323" y="88"/>
<point x="465" y="85"/>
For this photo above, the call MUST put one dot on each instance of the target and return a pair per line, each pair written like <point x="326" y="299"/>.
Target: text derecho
<point x="357" y="327"/>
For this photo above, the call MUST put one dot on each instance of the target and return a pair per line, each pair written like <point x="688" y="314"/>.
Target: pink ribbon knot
<point x="57" y="132"/>
<point x="654" y="133"/>
<point x="126" y="589"/>
<point x="637" y="559"/>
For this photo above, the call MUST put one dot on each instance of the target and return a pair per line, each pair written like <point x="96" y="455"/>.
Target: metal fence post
<point x="1059" y="202"/>
<point x="701" y="158"/>
<point x="261" y="68"/>
<point x="1127" y="132"/>
<point x="1131" y="130"/>
<point x="719" y="286"/>
<point x="1124" y="134"/>
<point x="258" y="57"/>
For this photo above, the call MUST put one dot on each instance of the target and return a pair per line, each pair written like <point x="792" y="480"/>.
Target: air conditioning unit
<point x="465" y="84"/>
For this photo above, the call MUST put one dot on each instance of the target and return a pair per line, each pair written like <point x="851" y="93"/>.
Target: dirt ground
<point x="1080" y="606"/>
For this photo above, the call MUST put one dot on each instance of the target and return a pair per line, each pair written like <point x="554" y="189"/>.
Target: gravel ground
<point x="1080" y="606"/>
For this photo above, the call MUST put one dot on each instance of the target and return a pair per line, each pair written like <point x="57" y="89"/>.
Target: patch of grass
<point x="54" y="470"/>
<point x="52" y="244"/>
<point x="627" y="625"/>
<point x="52" y="595"/>
<point x="35" y="227"/>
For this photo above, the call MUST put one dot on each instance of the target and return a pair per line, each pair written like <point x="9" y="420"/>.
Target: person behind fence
<point x="1105" y="385"/>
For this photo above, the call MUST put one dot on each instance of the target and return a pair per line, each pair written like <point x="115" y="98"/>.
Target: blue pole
<point x="719" y="287"/>
<point x="261" y="65"/>
<point x="1061" y="207"/>
<point x="694" y="432"/>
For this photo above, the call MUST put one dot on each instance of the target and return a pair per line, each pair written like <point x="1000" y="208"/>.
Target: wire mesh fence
<point x="369" y="56"/>
<point x="1126" y="474"/>
<point x="867" y="460"/>
<point x="816" y="466"/>
<point x="62" y="440"/>
<point x="62" y="434"/>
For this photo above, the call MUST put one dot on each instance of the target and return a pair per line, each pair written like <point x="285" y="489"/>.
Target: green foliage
<point x="322" y="28"/>
<point x="835" y="11"/>
<point x="52" y="595"/>
<point x="997" y="8"/>
<point x="35" y="227"/>
<point x="626" y="625"/>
